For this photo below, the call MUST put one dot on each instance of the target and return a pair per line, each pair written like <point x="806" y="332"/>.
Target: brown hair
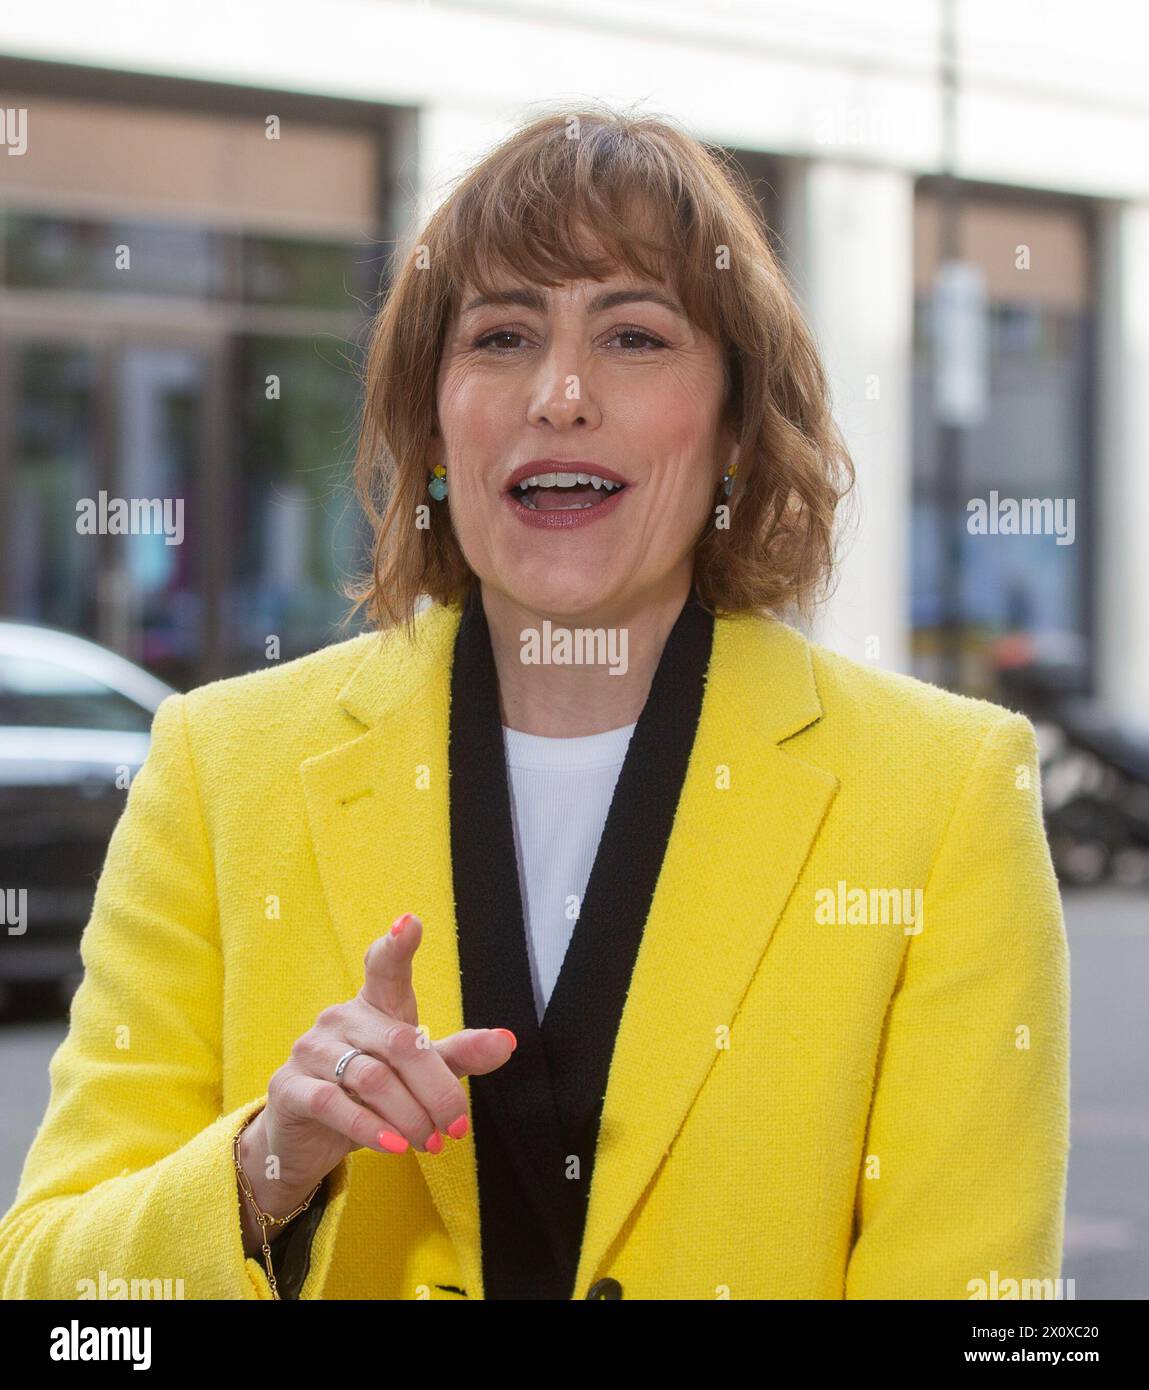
<point x="520" y="209"/>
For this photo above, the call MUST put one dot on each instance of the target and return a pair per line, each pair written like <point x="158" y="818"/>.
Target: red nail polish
<point x="506" y="1032"/>
<point x="397" y="929"/>
<point x="435" y="1143"/>
<point x="393" y="1143"/>
<point x="458" y="1127"/>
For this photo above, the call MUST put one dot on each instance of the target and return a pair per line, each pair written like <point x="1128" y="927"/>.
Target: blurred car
<point x="75" y="724"/>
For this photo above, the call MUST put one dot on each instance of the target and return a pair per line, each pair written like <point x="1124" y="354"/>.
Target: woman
<point x="809" y="1034"/>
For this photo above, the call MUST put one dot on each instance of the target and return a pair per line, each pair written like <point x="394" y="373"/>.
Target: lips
<point x="563" y="509"/>
<point x="538" y="467"/>
<point x="548" y="485"/>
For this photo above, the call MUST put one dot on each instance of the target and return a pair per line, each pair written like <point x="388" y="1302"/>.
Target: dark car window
<point x="47" y="694"/>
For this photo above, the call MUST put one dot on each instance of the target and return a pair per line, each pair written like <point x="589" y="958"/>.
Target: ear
<point x="729" y="443"/>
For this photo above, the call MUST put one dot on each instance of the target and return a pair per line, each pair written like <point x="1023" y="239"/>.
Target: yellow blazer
<point x="805" y="1100"/>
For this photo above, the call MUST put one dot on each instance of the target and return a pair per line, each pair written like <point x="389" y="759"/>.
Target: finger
<point x="326" y="1103"/>
<point x="387" y="970"/>
<point x="366" y="1080"/>
<point x="476" y="1051"/>
<point x="409" y="1053"/>
<point x="374" y="1083"/>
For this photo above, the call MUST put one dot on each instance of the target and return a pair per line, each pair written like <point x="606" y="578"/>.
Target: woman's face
<point x="587" y="376"/>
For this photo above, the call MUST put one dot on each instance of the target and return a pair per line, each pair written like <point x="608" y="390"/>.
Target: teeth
<point x="567" y="480"/>
<point x="580" y="507"/>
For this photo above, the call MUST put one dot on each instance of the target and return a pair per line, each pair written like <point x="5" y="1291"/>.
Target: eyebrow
<point x="531" y="298"/>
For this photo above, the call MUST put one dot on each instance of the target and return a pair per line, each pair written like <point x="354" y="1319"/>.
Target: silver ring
<point x="341" y="1065"/>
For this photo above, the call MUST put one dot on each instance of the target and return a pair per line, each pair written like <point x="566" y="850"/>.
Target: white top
<point x="561" y="790"/>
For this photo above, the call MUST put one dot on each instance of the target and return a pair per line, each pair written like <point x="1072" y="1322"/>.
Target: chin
<point x="559" y="597"/>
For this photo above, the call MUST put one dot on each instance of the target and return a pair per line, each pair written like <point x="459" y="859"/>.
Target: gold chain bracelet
<point x="261" y="1216"/>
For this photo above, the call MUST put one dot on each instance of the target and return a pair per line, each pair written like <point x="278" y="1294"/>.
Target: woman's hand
<point x="402" y="1089"/>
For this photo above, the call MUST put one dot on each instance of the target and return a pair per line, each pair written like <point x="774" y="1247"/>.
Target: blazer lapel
<point x="516" y="1098"/>
<point x="379" y="815"/>
<point x="747" y="817"/>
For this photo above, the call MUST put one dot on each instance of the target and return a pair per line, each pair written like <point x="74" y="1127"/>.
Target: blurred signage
<point x="961" y="344"/>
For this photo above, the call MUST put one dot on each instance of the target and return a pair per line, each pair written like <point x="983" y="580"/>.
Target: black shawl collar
<point x="536" y="1118"/>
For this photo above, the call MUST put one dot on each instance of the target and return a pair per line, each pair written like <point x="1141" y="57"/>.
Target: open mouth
<point x="564" y="492"/>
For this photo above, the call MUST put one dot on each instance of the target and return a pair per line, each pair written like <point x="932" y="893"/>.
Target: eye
<point x="648" y="338"/>
<point x="498" y="333"/>
<point x="647" y="341"/>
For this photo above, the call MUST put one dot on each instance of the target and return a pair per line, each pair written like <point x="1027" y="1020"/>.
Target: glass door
<point x="49" y="407"/>
<point x="155" y="594"/>
<point x="103" y="457"/>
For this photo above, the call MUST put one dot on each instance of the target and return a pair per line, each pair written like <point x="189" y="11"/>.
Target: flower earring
<point x="437" y="487"/>
<point x="728" y="479"/>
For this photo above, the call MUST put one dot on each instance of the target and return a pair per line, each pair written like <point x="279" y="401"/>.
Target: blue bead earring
<point x="437" y="487"/>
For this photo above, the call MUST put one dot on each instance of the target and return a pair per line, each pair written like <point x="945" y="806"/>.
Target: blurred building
<point x="221" y="368"/>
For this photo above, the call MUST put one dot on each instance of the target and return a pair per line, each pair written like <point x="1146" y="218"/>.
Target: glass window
<point x="298" y="530"/>
<point x="51" y="575"/>
<point x="60" y="253"/>
<point x="159" y="593"/>
<point x="1027" y="456"/>
<point x="44" y="252"/>
<point x="308" y="274"/>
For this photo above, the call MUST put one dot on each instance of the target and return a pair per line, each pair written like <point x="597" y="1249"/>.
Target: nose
<point x="562" y="392"/>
